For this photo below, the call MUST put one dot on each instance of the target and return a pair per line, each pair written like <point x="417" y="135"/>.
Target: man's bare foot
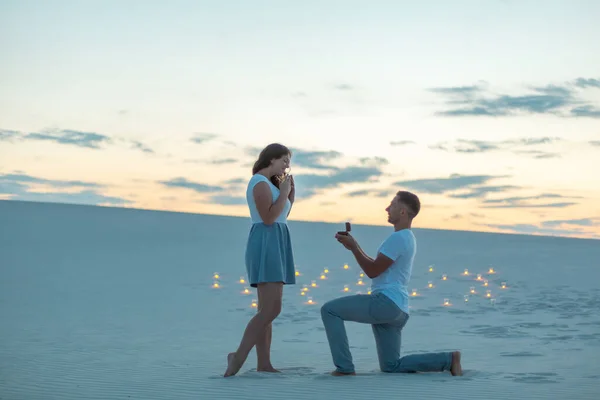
<point x="338" y="373"/>
<point x="232" y="367"/>
<point x="268" y="368"/>
<point x="456" y="369"/>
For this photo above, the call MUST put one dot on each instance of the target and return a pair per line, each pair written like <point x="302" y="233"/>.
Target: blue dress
<point x="269" y="255"/>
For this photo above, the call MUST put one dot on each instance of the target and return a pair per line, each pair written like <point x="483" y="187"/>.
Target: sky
<point x="488" y="110"/>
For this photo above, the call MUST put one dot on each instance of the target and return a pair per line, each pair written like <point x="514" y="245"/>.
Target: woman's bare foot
<point x="338" y="373"/>
<point x="456" y="368"/>
<point x="268" y="368"/>
<point x="232" y="366"/>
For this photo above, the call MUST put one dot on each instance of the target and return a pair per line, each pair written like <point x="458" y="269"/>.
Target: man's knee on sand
<point x="326" y="309"/>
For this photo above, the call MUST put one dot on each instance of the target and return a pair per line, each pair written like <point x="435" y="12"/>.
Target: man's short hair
<point x="411" y="201"/>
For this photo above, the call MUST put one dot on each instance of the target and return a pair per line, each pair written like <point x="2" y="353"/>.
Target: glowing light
<point x="242" y="280"/>
<point x="447" y="302"/>
<point x="466" y="273"/>
<point x="216" y="275"/>
<point x="346" y="266"/>
<point x="479" y="277"/>
<point x="503" y="285"/>
<point x="414" y="292"/>
<point x="305" y="288"/>
<point x="310" y="301"/>
<point x="369" y="292"/>
<point x="326" y="270"/>
<point x="485" y="283"/>
<point x="360" y="282"/>
<point x="444" y="277"/>
<point x="466" y="298"/>
<point x="216" y="285"/>
<point x="472" y="289"/>
<point x="246" y="291"/>
<point x="488" y="293"/>
<point x="491" y="271"/>
<point x="346" y="288"/>
<point x="302" y="293"/>
<point x="297" y="273"/>
<point x="254" y="304"/>
<point x="430" y="284"/>
<point x="313" y="283"/>
<point x="323" y="277"/>
<point x="431" y="269"/>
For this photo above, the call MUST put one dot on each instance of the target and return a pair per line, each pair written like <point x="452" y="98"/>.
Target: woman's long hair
<point x="272" y="151"/>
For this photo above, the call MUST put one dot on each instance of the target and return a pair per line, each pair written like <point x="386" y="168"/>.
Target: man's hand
<point x="347" y="240"/>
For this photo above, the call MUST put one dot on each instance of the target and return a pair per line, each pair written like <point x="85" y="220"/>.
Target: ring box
<point x="348" y="229"/>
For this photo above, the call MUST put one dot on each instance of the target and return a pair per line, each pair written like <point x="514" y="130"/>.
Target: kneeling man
<point x="386" y="308"/>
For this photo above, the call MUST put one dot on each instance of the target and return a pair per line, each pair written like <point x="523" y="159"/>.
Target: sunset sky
<point x="488" y="110"/>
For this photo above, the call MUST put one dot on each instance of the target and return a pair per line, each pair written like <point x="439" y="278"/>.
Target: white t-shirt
<point x="400" y="246"/>
<point x="254" y="214"/>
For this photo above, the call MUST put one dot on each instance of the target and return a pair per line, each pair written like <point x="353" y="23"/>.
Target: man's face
<point x="396" y="210"/>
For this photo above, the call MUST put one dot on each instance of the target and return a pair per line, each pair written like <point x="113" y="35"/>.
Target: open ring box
<point x="348" y="229"/>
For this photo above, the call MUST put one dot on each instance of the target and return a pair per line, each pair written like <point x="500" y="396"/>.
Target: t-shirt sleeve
<point x="394" y="246"/>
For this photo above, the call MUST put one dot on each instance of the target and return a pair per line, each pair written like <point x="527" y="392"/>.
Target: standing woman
<point x="269" y="257"/>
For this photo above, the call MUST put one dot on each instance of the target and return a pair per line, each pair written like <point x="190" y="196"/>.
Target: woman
<point x="269" y="257"/>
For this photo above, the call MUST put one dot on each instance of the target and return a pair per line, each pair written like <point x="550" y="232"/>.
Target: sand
<point x="108" y="303"/>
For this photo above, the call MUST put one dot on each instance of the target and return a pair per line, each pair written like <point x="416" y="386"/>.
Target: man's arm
<point x="373" y="268"/>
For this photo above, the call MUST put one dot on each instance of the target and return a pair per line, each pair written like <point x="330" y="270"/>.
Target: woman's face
<point x="281" y="164"/>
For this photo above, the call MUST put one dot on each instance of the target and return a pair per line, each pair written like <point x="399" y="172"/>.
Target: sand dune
<point x="101" y="303"/>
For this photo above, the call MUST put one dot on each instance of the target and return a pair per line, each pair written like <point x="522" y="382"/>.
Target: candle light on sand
<point x="429" y="284"/>
<point x="346" y="266"/>
<point x="216" y="285"/>
<point x="305" y="288"/>
<point x="362" y="275"/>
<point x="485" y="283"/>
<point x="472" y="289"/>
<point x="216" y="275"/>
<point x="302" y="293"/>
<point x="242" y="280"/>
<point x="491" y="271"/>
<point x="313" y="283"/>
<point x="310" y="301"/>
<point x="246" y="291"/>
<point x="466" y="273"/>
<point x="369" y="292"/>
<point x="323" y="277"/>
<point x="360" y="282"/>
<point x="346" y="288"/>
<point x="326" y="271"/>
<point x="254" y="304"/>
<point x="488" y="293"/>
<point x="466" y="297"/>
<point x="444" y="277"/>
<point x="503" y="285"/>
<point x="431" y="269"/>
<point x="447" y="302"/>
<point x="414" y="292"/>
<point x="479" y="277"/>
<point x="297" y="273"/>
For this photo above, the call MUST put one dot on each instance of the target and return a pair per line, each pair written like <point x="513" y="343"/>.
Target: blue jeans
<point x="387" y="321"/>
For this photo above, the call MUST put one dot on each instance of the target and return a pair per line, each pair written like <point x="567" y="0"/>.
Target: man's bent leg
<point x="333" y="313"/>
<point x="388" y="339"/>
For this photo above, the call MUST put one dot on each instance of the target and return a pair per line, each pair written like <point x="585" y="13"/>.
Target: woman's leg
<point x="271" y="294"/>
<point x="263" y="345"/>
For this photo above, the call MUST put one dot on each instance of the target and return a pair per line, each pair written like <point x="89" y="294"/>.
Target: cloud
<point x="227" y="200"/>
<point x="200" y="138"/>
<point x="343" y="86"/>
<point x="222" y="161"/>
<point x="530" y="229"/>
<point x="556" y="100"/>
<point x="89" y="140"/>
<point x="594" y="221"/>
<point x="444" y="185"/>
<point x="140" y="146"/>
<point x="308" y="185"/>
<point x="195" y="186"/>
<point x="370" y="192"/>
<point x="401" y="142"/>
<point x="525" y="201"/>
<point x="594" y="142"/>
<point x="19" y="187"/>
<point x="468" y="146"/>
<point x="482" y="191"/>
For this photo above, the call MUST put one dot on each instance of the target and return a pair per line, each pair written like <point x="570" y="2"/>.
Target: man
<point x="386" y="308"/>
